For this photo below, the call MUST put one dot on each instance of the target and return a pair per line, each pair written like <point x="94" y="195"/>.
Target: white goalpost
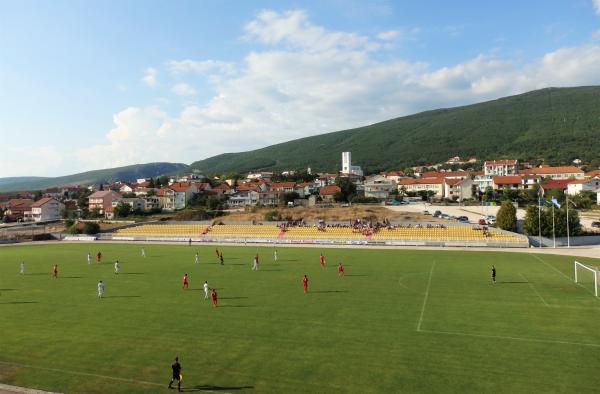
<point x="578" y="265"/>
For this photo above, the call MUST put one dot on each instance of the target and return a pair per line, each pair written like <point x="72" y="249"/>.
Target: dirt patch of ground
<point x="329" y="214"/>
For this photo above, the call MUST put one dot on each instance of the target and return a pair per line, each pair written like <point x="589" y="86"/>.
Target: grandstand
<point x="434" y="235"/>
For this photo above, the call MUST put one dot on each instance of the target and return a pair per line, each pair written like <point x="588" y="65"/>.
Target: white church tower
<point x="347" y="167"/>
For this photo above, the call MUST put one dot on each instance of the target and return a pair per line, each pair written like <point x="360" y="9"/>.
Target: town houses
<point x="462" y="182"/>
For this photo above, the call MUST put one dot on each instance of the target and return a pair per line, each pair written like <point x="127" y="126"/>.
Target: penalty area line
<point x="426" y="297"/>
<point x="80" y="373"/>
<point x="562" y="273"/>
<point x="467" y="334"/>
<point x="534" y="289"/>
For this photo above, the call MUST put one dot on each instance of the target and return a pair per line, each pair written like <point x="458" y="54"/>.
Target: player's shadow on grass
<point x="271" y="269"/>
<point x="511" y="282"/>
<point x="71" y="277"/>
<point x="329" y="291"/>
<point x="209" y="387"/>
<point x="19" y="302"/>
<point x="356" y="275"/>
<point x="132" y="273"/>
<point x="38" y="273"/>
<point x="122" y="296"/>
<point x="237" y="264"/>
<point x="233" y="298"/>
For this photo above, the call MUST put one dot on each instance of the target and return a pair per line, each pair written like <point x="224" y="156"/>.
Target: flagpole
<point x="540" y="218"/>
<point x="568" y="237"/>
<point x="553" y="234"/>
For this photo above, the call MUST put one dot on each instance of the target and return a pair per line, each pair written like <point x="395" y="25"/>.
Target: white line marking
<point x="466" y="334"/>
<point x="426" y="297"/>
<point x="534" y="290"/>
<point x="563" y="274"/>
<point x="98" y="376"/>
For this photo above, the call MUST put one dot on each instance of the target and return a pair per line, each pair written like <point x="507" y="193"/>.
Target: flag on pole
<point x="541" y="201"/>
<point x="555" y="202"/>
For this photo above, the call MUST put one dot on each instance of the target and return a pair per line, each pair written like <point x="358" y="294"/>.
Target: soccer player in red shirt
<point x="322" y="260"/>
<point x="340" y="269"/>
<point x="213" y="295"/>
<point x="305" y="283"/>
<point x="98" y="257"/>
<point x="55" y="271"/>
<point x="184" y="281"/>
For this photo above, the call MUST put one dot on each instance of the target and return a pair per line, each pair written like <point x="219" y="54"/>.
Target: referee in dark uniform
<point x="176" y="374"/>
<point x="493" y="274"/>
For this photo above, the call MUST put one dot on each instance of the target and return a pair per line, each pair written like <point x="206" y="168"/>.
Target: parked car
<point x="463" y="219"/>
<point x="444" y="216"/>
<point x="437" y="214"/>
<point x="482" y="222"/>
<point x="595" y="224"/>
<point x="425" y="212"/>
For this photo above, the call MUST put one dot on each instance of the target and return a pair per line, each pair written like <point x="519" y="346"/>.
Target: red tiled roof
<point x="329" y="190"/>
<point x="507" y="180"/>
<point x="553" y="170"/>
<point x="19" y="201"/>
<point x="556" y="184"/>
<point x="283" y="184"/>
<point x="592" y="174"/>
<point x="41" y="202"/>
<point x="453" y="181"/>
<point x="180" y="187"/>
<point x="103" y="193"/>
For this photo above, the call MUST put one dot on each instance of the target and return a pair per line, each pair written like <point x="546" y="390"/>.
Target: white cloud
<point x="183" y="89"/>
<point x="200" y="66"/>
<point x="293" y="29"/>
<point x="303" y="79"/>
<point x="405" y="34"/>
<point x="595" y="36"/>
<point x="596" y="4"/>
<point x="388" y="35"/>
<point x="150" y="77"/>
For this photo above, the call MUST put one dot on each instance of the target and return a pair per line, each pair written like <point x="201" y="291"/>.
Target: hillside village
<point x="497" y="180"/>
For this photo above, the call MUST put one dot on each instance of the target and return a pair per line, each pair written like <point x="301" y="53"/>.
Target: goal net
<point x="586" y="274"/>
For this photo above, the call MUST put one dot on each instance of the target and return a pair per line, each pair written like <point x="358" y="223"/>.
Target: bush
<point x="272" y="216"/>
<point x="69" y="223"/>
<point x="91" y="228"/>
<point x="507" y="217"/>
<point x="364" y="200"/>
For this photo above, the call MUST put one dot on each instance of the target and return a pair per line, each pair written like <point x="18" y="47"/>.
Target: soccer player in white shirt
<point x="255" y="264"/>
<point x="100" y="289"/>
<point x="89" y="258"/>
<point x="117" y="267"/>
<point x="143" y="252"/>
<point x="196" y="259"/>
<point x="22" y="268"/>
<point x="275" y="255"/>
<point x="206" y="290"/>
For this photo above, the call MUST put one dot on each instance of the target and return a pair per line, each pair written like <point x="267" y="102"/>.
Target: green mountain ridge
<point x="556" y="124"/>
<point x="126" y="174"/>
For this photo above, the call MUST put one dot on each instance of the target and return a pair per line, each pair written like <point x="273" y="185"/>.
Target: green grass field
<point x="399" y="321"/>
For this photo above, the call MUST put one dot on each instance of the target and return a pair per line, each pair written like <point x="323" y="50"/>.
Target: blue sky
<point x="93" y="85"/>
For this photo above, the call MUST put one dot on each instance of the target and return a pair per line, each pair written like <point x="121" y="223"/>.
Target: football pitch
<point x="398" y="321"/>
